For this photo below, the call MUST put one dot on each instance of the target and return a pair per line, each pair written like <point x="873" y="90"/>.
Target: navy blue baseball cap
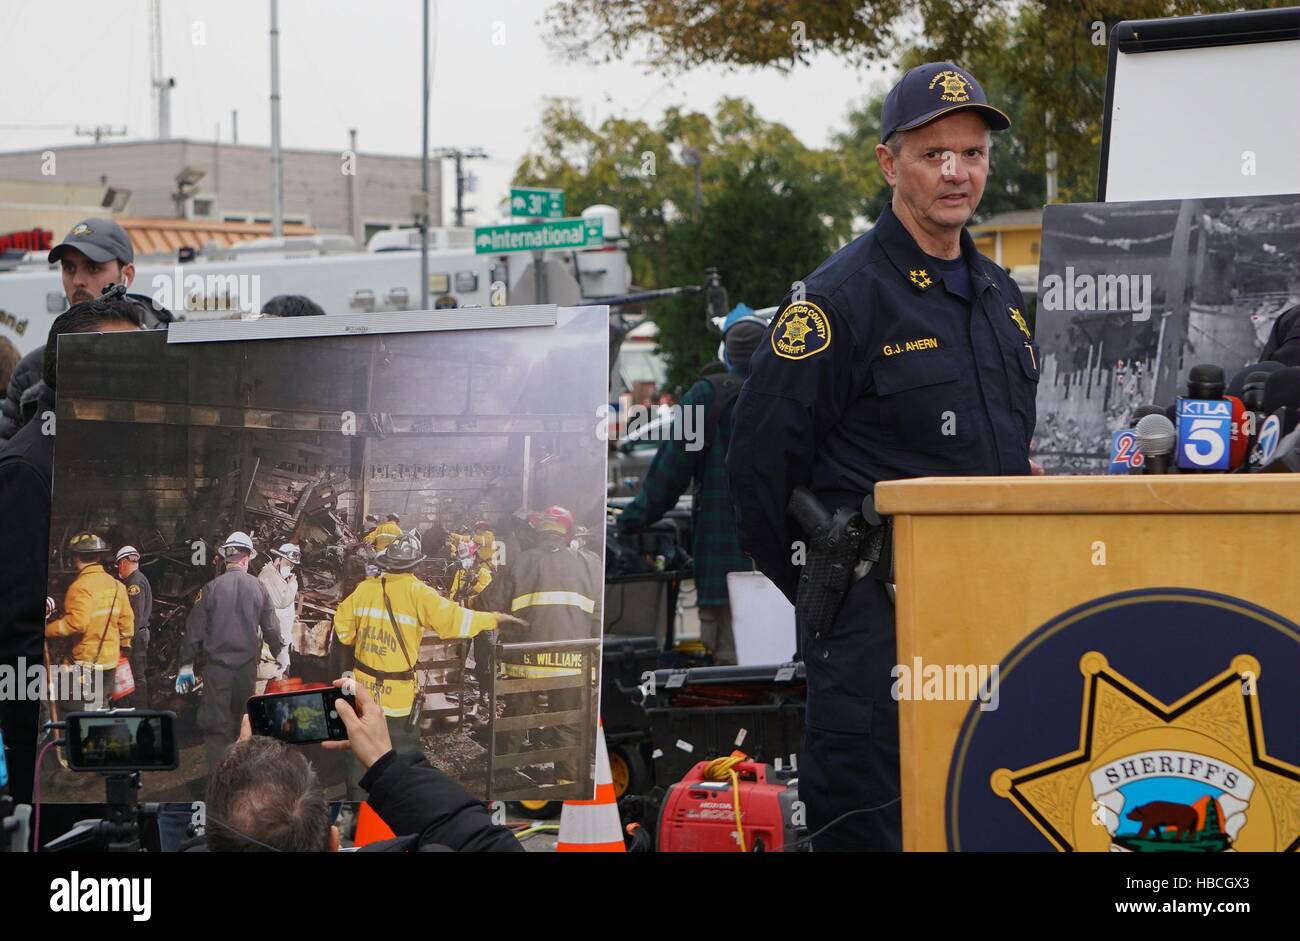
<point x="100" y="240"/>
<point x="931" y="91"/>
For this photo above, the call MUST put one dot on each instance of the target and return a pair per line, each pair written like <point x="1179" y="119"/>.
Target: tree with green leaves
<point x="1043" y="61"/>
<point x="772" y="207"/>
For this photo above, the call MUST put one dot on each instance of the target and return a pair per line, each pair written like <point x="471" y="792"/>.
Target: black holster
<point x="834" y="544"/>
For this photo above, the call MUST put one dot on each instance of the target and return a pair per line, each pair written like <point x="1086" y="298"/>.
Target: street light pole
<point x="277" y="174"/>
<point x="424" y="169"/>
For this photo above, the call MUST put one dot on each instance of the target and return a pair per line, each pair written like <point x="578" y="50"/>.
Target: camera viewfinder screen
<point x="133" y="742"/>
<point x="297" y="718"/>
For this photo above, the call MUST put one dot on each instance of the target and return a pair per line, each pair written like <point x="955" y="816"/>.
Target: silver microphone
<point x="1156" y="438"/>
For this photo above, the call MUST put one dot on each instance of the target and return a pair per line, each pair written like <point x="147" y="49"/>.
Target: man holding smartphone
<point x="267" y="796"/>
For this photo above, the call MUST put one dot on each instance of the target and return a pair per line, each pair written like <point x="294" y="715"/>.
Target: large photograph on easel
<point x="394" y="494"/>
<point x="1132" y="295"/>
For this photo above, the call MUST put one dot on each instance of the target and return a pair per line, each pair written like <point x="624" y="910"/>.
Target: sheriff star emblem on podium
<point x="1190" y="777"/>
<point x="921" y="278"/>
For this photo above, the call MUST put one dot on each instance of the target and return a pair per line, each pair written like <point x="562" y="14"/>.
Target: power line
<point x="36" y="127"/>
<point x="100" y="131"/>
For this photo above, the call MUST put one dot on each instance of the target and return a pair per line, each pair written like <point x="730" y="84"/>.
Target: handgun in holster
<point x="842" y="547"/>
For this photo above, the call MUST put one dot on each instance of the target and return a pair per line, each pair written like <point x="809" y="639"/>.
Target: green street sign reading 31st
<point x="558" y="234"/>
<point x="531" y="203"/>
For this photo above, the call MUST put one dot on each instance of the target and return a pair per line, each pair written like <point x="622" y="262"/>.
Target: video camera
<point x="119" y="744"/>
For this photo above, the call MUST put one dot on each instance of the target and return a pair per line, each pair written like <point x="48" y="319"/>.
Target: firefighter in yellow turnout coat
<point x="559" y="590"/>
<point x="382" y="536"/>
<point x="383" y="621"/>
<point x="97" y="612"/>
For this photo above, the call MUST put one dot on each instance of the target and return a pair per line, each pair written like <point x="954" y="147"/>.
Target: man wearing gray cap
<point x="95" y="254"/>
<point x="906" y="354"/>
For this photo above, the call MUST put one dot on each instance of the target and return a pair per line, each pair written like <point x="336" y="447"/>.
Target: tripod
<point x="119" y="831"/>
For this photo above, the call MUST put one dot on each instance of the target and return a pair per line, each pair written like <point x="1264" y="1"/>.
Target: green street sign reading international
<point x="538" y="236"/>
<point x="532" y="203"/>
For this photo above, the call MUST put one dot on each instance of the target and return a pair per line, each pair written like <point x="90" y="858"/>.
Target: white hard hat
<point x="126" y="551"/>
<point x="288" y="551"/>
<point x="239" y="541"/>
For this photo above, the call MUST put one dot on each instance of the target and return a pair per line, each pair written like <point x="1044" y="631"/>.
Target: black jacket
<point x="573" y="583"/>
<point x="417" y="799"/>
<point x="1283" y="344"/>
<point x="434" y="813"/>
<point x="26" y="463"/>
<point x="26" y="374"/>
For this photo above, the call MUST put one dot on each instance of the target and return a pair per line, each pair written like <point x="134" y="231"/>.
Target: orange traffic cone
<point x="370" y="827"/>
<point x="593" y="826"/>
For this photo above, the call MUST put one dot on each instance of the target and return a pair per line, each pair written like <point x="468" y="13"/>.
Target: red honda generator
<point x="698" y="814"/>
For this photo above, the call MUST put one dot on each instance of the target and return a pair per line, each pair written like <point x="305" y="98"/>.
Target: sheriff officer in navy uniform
<point x="905" y="354"/>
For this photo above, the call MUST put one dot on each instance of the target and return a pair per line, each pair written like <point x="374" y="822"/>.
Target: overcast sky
<point x="356" y="63"/>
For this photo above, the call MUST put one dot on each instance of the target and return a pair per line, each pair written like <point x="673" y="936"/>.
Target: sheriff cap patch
<point x="929" y="92"/>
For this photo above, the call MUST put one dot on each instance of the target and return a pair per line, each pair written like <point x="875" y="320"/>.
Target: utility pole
<point x="234" y="127"/>
<point x="216" y="166"/>
<point x="100" y="131"/>
<point x="460" y="156"/>
<point x="162" y="87"/>
<point x="354" y="191"/>
<point x="277" y="169"/>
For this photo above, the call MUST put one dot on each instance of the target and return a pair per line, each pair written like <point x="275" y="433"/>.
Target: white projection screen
<point x="1203" y="106"/>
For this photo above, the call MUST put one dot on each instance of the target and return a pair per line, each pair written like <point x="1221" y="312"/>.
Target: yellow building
<point x="1012" y="239"/>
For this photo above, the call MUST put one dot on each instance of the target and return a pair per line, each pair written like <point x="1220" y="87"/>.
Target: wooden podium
<point x="1143" y="629"/>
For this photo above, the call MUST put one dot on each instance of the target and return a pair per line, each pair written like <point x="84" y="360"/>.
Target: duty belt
<point x="386" y="674"/>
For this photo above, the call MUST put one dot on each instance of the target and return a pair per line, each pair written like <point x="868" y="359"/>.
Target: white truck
<point x="333" y="273"/>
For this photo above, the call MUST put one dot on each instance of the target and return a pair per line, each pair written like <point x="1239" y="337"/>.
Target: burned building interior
<point x="171" y="446"/>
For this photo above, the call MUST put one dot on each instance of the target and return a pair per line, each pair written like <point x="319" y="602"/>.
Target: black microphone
<point x="1208" y="424"/>
<point x="1252" y="391"/>
<point x="1206" y="381"/>
<point x="1142" y="411"/>
<point x="1237" y="385"/>
<point x="1252" y="396"/>
<point x="1282" y="390"/>
<point x="1156" y="438"/>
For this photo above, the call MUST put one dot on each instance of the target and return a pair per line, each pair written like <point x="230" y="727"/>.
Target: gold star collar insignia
<point x="921" y="278"/>
<point x="1020" y="321"/>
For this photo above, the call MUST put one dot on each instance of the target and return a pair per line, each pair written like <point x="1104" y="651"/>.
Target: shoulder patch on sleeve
<point x="133" y="589"/>
<point x="802" y="330"/>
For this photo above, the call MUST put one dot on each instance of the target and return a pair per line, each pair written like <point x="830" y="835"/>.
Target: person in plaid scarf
<point x="682" y="460"/>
